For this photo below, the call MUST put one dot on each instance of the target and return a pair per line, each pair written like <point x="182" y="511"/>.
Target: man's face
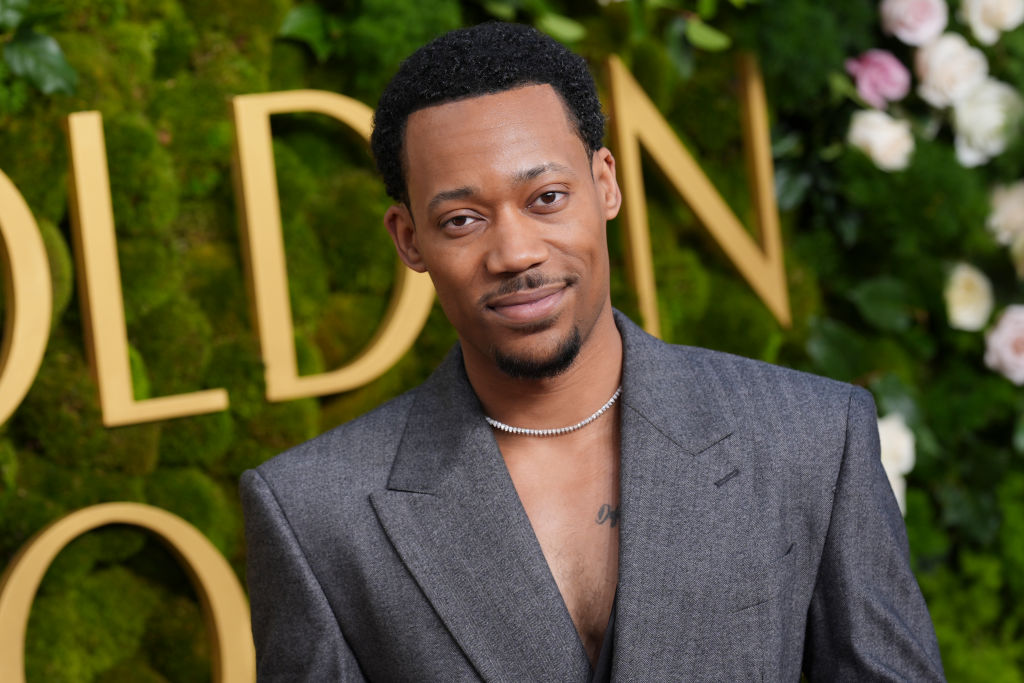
<point x="508" y="216"/>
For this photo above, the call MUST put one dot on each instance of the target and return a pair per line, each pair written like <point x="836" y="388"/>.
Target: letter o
<point x="224" y="603"/>
<point x="29" y="298"/>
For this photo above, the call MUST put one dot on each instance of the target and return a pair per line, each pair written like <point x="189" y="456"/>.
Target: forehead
<point x="475" y="141"/>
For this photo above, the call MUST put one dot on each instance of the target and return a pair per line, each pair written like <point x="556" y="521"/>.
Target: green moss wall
<point x="115" y="607"/>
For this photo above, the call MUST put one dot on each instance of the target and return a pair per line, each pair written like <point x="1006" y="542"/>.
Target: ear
<point x="603" y="169"/>
<point x="399" y="223"/>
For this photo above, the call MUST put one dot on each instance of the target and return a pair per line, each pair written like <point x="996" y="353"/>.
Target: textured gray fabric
<point x="758" y="536"/>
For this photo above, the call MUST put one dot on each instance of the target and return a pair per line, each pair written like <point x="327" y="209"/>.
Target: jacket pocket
<point x="756" y="584"/>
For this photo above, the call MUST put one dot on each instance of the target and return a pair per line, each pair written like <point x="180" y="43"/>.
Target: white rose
<point x="949" y="69"/>
<point x="887" y="141"/>
<point x="969" y="299"/>
<point x="915" y="22"/>
<point x="1006" y="220"/>
<point x="985" y="120"/>
<point x="897" y="446"/>
<point x="1004" y="345"/>
<point x="987" y="18"/>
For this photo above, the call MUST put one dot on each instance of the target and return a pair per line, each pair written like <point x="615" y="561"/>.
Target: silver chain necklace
<point x="558" y="431"/>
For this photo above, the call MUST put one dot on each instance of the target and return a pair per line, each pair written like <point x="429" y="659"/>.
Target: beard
<point x="524" y="367"/>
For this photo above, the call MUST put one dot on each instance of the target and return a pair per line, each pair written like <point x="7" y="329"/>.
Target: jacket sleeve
<point x="297" y="635"/>
<point x="868" y="620"/>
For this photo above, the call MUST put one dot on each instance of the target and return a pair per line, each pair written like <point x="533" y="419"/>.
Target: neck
<point x="558" y="401"/>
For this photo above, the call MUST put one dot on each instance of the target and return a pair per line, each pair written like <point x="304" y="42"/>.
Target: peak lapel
<point x="452" y="513"/>
<point x="675" y="428"/>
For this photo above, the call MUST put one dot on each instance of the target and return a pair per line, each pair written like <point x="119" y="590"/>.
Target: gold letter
<point x="224" y="605"/>
<point x="256" y="187"/>
<point x="28" y="297"/>
<point x="99" y="283"/>
<point x="636" y="121"/>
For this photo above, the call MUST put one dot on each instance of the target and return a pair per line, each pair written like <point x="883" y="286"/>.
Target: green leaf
<point x="1018" y="435"/>
<point x="307" y="24"/>
<point x="12" y="12"/>
<point x="791" y="186"/>
<point x="790" y="145"/>
<point x="637" y="21"/>
<point x="502" y="10"/>
<point x="840" y="87"/>
<point x="707" y="8"/>
<point x="678" y="49"/>
<point x="561" y="28"/>
<point x="705" y="37"/>
<point x="894" y="396"/>
<point x="883" y="302"/>
<point x="39" y="59"/>
<point x="837" y="350"/>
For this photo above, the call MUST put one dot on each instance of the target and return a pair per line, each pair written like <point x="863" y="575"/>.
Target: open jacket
<point x="758" y="537"/>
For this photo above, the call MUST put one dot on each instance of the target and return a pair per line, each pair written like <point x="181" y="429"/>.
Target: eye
<point x="549" y="199"/>
<point x="459" y="222"/>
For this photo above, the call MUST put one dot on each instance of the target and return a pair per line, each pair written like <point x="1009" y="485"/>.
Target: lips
<point x="531" y="305"/>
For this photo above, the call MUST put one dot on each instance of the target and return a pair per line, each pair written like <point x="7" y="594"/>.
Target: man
<point x="567" y="498"/>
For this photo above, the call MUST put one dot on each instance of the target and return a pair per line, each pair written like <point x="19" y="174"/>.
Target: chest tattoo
<point x="608" y="514"/>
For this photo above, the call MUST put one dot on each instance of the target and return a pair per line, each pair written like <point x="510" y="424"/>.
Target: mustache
<point x="523" y="282"/>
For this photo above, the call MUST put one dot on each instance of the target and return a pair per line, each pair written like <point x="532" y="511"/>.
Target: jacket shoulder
<point x="356" y="455"/>
<point x="777" y="404"/>
<point x="752" y="376"/>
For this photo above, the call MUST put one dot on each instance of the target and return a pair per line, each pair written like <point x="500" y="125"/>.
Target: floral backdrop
<point x="899" y="176"/>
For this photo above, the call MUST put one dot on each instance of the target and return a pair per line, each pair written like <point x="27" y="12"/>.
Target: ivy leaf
<point x="39" y="59"/>
<point x="705" y="37"/>
<point x="11" y="13"/>
<point x="307" y="24"/>
<point x="561" y="28"/>
<point x="503" y="10"/>
<point x="883" y="302"/>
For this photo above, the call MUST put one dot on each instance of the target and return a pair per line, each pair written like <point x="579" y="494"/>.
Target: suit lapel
<point x="675" y="430"/>
<point x="453" y="516"/>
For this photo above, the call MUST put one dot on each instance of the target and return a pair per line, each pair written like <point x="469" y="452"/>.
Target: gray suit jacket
<point x="758" y="535"/>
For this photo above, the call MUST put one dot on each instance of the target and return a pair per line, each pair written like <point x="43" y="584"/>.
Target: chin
<point x="533" y="366"/>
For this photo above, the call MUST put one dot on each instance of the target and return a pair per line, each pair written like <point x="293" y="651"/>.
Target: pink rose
<point x="880" y="77"/>
<point x="915" y="22"/>
<point x="1004" y="345"/>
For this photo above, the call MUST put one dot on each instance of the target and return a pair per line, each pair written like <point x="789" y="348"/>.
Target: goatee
<point x="521" y="367"/>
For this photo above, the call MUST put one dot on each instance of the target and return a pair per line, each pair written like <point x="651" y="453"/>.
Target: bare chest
<point x="572" y="504"/>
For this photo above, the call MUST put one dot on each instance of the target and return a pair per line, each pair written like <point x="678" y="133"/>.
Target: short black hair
<point x="470" y="62"/>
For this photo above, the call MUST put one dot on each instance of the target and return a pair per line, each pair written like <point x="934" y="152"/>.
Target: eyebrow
<point x="446" y="195"/>
<point x="518" y="178"/>
<point x="529" y="174"/>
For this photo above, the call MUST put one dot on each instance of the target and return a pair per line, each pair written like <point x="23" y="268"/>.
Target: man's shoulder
<point x="356" y="454"/>
<point x="749" y="375"/>
<point x="730" y="378"/>
<point x="764" y="401"/>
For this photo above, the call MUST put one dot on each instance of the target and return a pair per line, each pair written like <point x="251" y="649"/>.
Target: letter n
<point x="635" y="122"/>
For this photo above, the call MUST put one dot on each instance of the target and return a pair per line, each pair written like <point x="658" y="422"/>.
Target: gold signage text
<point x="635" y="123"/>
<point x="99" y="286"/>
<point x="223" y="601"/>
<point x="256" y="187"/>
<point x="29" y="298"/>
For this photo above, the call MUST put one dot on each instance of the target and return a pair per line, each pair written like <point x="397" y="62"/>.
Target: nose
<point x="516" y="243"/>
